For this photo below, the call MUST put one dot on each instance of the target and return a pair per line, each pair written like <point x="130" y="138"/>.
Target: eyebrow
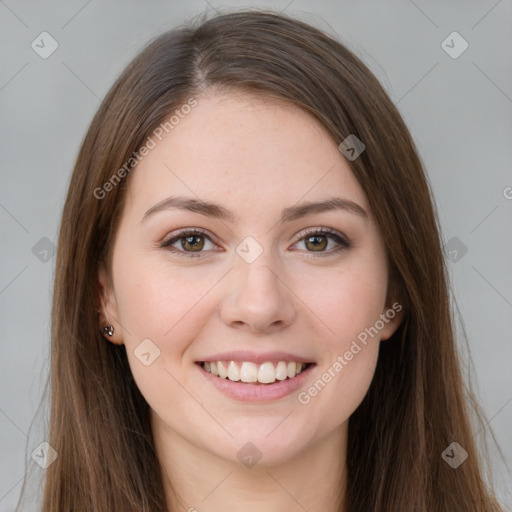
<point x="211" y="209"/>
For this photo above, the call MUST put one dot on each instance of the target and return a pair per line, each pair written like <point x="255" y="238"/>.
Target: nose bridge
<point x="258" y="296"/>
<point x="256" y="273"/>
<point x="259" y="278"/>
<point x="255" y="256"/>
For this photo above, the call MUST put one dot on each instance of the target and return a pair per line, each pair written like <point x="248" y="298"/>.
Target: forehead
<point x="246" y="152"/>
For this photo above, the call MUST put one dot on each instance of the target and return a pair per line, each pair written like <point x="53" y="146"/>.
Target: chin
<point x="250" y="449"/>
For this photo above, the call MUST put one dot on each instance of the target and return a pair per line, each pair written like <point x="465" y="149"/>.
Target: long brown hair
<point x="416" y="404"/>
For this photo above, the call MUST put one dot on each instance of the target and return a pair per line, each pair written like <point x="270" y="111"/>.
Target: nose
<point x="258" y="299"/>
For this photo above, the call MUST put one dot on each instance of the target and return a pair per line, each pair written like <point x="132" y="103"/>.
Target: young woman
<point x="251" y="308"/>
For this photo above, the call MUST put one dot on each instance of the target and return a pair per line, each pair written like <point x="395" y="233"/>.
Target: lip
<point x="240" y="356"/>
<point x="251" y="392"/>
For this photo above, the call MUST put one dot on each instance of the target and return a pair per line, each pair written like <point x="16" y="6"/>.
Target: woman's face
<point x="259" y="285"/>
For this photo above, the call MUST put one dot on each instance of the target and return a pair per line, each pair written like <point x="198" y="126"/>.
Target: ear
<point x="107" y="307"/>
<point x="392" y="317"/>
<point x="394" y="309"/>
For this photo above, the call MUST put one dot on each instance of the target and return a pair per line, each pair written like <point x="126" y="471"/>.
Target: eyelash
<point x="343" y="242"/>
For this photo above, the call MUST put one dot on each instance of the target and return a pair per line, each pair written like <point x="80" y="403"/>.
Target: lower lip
<point x="249" y="392"/>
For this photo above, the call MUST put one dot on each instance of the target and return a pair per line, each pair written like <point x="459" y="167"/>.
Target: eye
<point x="317" y="240"/>
<point x="191" y="241"/>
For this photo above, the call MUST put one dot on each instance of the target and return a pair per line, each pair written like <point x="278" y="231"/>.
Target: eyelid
<point x="324" y="231"/>
<point x="186" y="231"/>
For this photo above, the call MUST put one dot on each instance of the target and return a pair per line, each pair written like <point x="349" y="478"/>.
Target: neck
<point x="197" y="480"/>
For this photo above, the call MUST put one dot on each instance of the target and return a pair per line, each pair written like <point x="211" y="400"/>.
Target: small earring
<point x="108" y="330"/>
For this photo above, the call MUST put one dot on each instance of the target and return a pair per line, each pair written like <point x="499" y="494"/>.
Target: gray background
<point x="458" y="110"/>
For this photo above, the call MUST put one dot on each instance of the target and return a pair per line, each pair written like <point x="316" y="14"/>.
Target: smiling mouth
<point x="249" y="372"/>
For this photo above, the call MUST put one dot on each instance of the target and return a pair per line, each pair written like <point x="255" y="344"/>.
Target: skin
<point x="254" y="157"/>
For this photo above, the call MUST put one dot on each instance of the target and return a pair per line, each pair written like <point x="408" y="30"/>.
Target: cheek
<point x="158" y="306"/>
<point x="348" y="300"/>
<point x="164" y="305"/>
<point x="341" y="386"/>
<point x="346" y="370"/>
<point x="349" y="304"/>
<point x="167" y="308"/>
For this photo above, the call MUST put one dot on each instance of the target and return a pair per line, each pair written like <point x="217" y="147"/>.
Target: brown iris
<point x="190" y="241"/>
<point x="315" y="245"/>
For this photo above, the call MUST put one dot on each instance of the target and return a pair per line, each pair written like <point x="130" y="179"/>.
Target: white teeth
<point x="292" y="367"/>
<point x="223" y="373"/>
<point x="233" y="372"/>
<point x="247" y="371"/>
<point x="281" y="370"/>
<point x="266" y="373"/>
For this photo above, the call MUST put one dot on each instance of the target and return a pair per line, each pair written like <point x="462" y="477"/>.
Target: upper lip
<point x="246" y="355"/>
